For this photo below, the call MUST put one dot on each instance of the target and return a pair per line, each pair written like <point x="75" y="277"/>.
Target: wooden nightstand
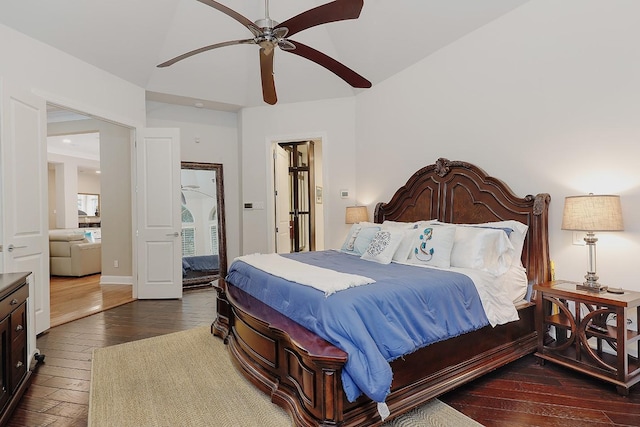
<point x="585" y="324"/>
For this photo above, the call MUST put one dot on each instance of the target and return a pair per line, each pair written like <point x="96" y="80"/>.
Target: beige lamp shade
<point x="592" y="213"/>
<point x="356" y="214"/>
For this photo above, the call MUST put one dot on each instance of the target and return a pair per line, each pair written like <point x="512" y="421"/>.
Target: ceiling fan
<point x="184" y="188"/>
<point x="268" y="34"/>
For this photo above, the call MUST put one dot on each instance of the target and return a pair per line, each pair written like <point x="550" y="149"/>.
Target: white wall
<point x="59" y="77"/>
<point x="62" y="79"/>
<point x="545" y="98"/>
<point x="332" y="121"/>
<point x="217" y="133"/>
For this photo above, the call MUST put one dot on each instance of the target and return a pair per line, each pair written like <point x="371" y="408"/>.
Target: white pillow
<point x="432" y="244"/>
<point x="383" y="245"/>
<point x="403" y="252"/>
<point x="487" y="249"/>
<point x="398" y="224"/>
<point x="404" y="249"/>
<point x="515" y="282"/>
<point x="516" y="237"/>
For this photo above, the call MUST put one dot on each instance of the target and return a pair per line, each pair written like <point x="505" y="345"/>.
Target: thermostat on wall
<point x="344" y="194"/>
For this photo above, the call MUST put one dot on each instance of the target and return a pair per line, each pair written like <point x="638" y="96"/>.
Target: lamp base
<point x="591" y="283"/>
<point x="591" y="287"/>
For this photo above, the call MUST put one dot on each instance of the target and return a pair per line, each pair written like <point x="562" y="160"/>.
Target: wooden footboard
<point x="302" y="372"/>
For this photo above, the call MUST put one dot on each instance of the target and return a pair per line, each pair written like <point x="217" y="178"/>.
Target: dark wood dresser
<point x="14" y="372"/>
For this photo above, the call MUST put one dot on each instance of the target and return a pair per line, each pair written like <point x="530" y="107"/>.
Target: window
<point x="188" y="233"/>
<point x="213" y="230"/>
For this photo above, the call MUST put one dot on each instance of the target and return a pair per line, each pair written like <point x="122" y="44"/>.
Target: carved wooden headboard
<point x="462" y="193"/>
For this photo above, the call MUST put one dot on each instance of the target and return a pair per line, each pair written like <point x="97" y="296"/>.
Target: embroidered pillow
<point x="350" y="240"/>
<point x="384" y="245"/>
<point x="432" y="244"/>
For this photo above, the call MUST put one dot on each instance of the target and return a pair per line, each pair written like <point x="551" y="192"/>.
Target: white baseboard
<point x="116" y="280"/>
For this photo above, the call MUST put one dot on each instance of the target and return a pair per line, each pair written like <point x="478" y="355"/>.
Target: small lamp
<point x="356" y="214"/>
<point x="592" y="213"/>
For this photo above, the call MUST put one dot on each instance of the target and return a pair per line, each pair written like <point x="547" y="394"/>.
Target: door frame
<point x="320" y="140"/>
<point x="99" y="114"/>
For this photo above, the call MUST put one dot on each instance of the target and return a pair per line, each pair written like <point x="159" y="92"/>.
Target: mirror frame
<point x="222" y="239"/>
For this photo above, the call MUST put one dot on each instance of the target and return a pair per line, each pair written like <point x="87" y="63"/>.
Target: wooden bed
<point x="302" y="372"/>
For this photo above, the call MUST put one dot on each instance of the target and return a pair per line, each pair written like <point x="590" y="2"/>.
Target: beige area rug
<point x="186" y="379"/>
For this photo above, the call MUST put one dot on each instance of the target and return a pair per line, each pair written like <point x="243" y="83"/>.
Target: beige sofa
<point x="71" y="254"/>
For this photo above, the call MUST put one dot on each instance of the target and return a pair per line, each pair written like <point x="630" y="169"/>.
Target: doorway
<point x="298" y="195"/>
<point x="82" y="162"/>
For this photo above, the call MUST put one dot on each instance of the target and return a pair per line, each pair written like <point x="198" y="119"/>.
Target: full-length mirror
<point x="204" y="252"/>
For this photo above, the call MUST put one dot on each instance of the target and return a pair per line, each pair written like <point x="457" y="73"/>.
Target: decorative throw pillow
<point x="363" y="239"/>
<point x="481" y="248"/>
<point x="432" y="245"/>
<point x="358" y="238"/>
<point x="383" y="245"/>
<point x="350" y="240"/>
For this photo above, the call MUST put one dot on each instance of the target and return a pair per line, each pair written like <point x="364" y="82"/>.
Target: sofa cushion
<point x="65" y="235"/>
<point x="71" y="254"/>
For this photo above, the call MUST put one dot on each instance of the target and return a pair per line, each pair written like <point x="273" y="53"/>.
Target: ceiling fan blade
<point x="235" y="15"/>
<point x="340" y="70"/>
<point x="338" y="10"/>
<point x="204" y="49"/>
<point x="266" y="72"/>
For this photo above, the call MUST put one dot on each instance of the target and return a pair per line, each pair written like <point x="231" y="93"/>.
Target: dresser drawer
<point x="19" y="323"/>
<point x="18" y="366"/>
<point x="12" y="301"/>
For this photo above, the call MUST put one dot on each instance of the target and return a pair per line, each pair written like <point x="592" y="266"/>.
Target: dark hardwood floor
<point x="525" y="393"/>
<point x="59" y="393"/>
<point x="521" y="394"/>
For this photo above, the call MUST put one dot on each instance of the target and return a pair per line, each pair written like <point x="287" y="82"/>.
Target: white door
<point x="283" y="219"/>
<point x="25" y="231"/>
<point x="158" y="220"/>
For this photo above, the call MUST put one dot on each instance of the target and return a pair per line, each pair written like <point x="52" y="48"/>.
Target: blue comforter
<point x="407" y="308"/>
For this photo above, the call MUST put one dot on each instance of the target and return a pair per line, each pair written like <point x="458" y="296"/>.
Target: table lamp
<point x="356" y="214"/>
<point x="592" y="213"/>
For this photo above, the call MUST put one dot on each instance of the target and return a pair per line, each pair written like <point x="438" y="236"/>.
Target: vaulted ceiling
<point x="130" y="38"/>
